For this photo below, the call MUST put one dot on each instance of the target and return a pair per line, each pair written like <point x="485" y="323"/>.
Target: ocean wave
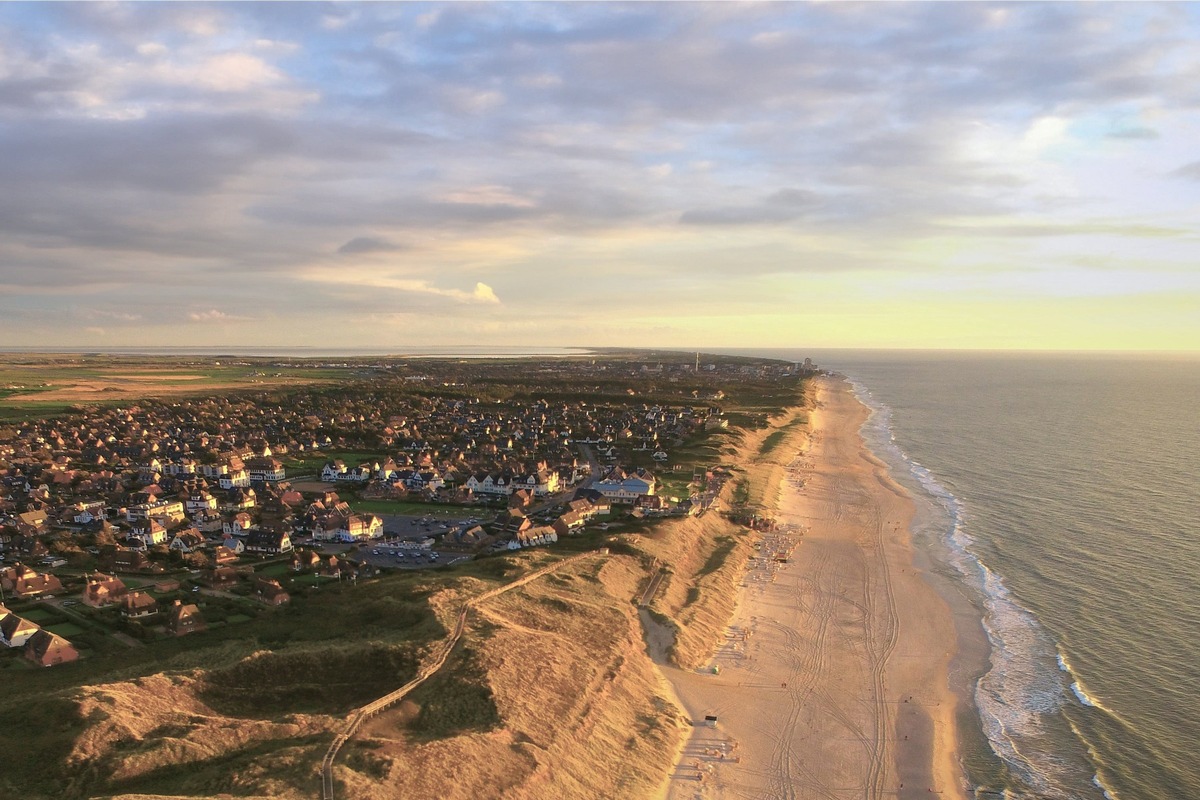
<point x="1023" y="687"/>
<point x="1077" y="687"/>
<point x="1098" y="778"/>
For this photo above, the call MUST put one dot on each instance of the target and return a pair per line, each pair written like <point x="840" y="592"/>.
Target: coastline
<point x="834" y="670"/>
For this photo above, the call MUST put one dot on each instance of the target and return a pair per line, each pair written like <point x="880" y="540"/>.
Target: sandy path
<point x="833" y="676"/>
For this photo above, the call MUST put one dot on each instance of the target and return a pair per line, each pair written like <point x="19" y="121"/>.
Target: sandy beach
<point x="831" y="681"/>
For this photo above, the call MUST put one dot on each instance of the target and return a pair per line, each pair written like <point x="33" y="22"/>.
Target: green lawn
<point x="313" y="461"/>
<point x="65" y="629"/>
<point x="40" y="615"/>
<point x="275" y="570"/>
<point x="414" y="509"/>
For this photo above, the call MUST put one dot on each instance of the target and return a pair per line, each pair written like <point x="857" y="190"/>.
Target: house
<point x="188" y="541"/>
<point x="219" y="577"/>
<point x="198" y="501"/>
<point x="129" y="561"/>
<point x="270" y="591"/>
<point x="304" y="560"/>
<point x="207" y="521"/>
<point x="591" y="504"/>
<point x="184" y="619"/>
<point x="238" y="523"/>
<point x="148" y="532"/>
<point x="234" y="545"/>
<point x="486" y="484"/>
<point x="620" y="486"/>
<point x="268" y="542"/>
<point x="222" y="554"/>
<point x="533" y="537"/>
<point x="354" y="527"/>
<point x="240" y="500"/>
<point x="47" y="650"/>
<point x="137" y="605"/>
<point x="471" y="537"/>
<point x="103" y="590"/>
<point x="86" y="513"/>
<point x="512" y="523"/>
<point x="23" y="581"/>
<point x="521" y="498"/>
<point x="569" y="522"/>
<point x="171" y="510"/>
<point x="37" y="521"/>
<point x="15" y="631"/>
<point x="235" y="479"/>
<point x="333" y="471"/>
<point x="266" y="470"/>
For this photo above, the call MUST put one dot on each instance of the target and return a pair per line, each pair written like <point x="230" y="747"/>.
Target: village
<point x="168" y="517"/>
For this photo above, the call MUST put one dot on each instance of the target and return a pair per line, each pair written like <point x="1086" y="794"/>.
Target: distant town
<point x="127" y="522"/>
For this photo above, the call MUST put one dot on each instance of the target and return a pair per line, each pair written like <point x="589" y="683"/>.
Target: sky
<point x="377" y="175"/>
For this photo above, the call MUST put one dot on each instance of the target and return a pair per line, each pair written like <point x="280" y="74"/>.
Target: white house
<point x="236" y="479"/>
<point x="201" y="500"/>
<point x="622" y="487"/>
<point x="89" y="512"/>
<point x="238" y="523"/>
<point x="149" y="533"/>
<point x="172" y="509"/>
<point x="188" y="541"/>
<point x="356" y="527"/>
<point x="268" y="470"/>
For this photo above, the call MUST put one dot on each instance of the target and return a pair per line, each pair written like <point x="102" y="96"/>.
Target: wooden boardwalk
<point x="364" y="713"/>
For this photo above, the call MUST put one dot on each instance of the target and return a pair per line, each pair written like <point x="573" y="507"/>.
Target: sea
<point x="1061" y="494"/>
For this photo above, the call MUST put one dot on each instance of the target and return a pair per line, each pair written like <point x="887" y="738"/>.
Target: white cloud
<point x="223" y="72"/>
<point x="152" y="49"/>
<point x="486" y="196"/>
<point x="1043" y="133"/>
<point x="213" y="315"/>
<point x="484" y="294"/>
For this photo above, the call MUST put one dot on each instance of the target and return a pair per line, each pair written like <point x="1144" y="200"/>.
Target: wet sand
<point x="832" y="679"/>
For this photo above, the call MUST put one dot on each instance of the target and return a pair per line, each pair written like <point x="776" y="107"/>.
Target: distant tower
<point x="697" y="361"/>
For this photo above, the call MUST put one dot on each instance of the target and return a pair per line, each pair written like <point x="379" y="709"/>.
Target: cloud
<point x="1190" y="171"/>
<point x="486" y="196"/>
<point x="157" y="151"/>
<point x="369" y="244"/>
<point x="782" y="206"/>
<point x="1133" y="133"/>
<point x="213" y="315"/>
<point x="484" y="294"/>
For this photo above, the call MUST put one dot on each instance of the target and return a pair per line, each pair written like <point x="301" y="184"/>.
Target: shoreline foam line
<point x="1025" y="682"/>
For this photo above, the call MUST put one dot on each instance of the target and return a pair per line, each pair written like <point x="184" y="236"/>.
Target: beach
<point x="831" y="680"/>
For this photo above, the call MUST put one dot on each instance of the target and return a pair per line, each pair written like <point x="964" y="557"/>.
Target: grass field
<point x="311" y="464"/>
<point x="65" y="630"/>
<point x="403" y="507"/>
<point x="37" y="385"/>
<point x="40" y="615"/>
